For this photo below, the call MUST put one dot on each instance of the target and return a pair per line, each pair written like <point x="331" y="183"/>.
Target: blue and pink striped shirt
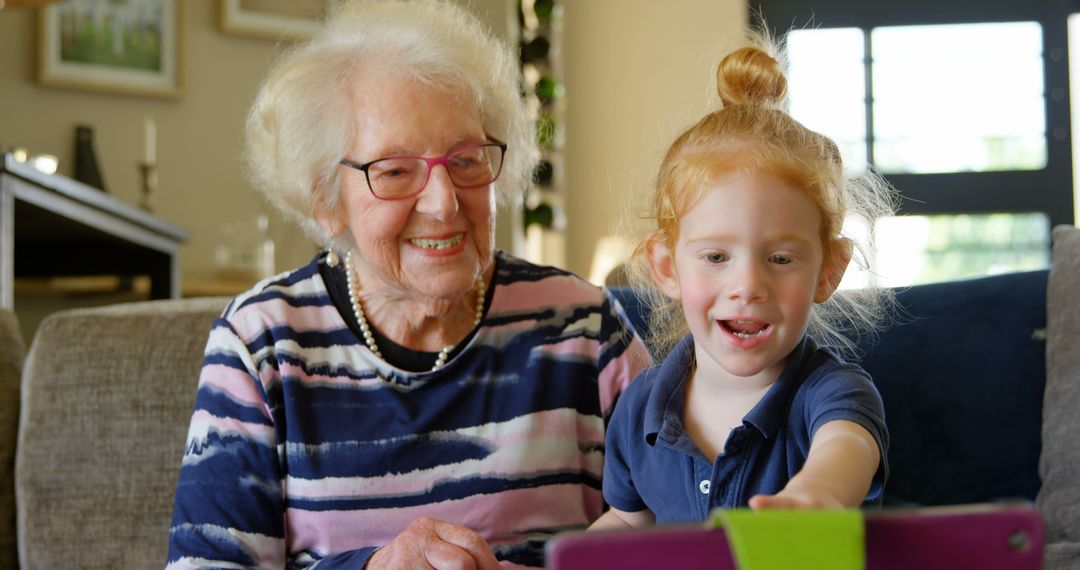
<point x="305" y="450"/>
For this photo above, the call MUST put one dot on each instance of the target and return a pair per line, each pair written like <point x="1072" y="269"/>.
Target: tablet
<point x="988" y="537"/>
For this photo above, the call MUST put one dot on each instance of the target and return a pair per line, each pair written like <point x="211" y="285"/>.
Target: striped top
<point x="306" y="450"/>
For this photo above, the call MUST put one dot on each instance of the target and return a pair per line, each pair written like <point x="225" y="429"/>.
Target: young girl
<point x="751" y="408"/>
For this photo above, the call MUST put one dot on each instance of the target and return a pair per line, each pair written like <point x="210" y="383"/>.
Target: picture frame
<point x="290" y="20"/>
<point x="79" y="47"/>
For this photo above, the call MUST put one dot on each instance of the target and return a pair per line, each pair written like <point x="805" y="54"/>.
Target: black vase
<point x="86" y="165"/>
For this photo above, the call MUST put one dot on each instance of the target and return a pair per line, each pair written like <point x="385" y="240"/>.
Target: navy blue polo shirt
<point x="651" y="462"/>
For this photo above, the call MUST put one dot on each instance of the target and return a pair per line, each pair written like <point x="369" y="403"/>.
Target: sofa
<point x="980" y="379"/>
<point x="106" y="396"/>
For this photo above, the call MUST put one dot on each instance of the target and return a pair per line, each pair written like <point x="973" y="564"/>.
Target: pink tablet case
<point x="988" y="537"/>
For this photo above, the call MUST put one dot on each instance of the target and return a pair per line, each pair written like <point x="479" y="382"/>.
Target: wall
<point x="636" y="71"/>
<point x="199" y="149"/>
<point x="199" y="135"/>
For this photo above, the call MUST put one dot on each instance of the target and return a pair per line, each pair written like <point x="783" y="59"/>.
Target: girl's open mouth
<point x="746" y="330"/>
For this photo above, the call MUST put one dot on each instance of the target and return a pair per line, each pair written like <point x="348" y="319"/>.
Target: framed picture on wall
<point x="120" y="46"/>
<point x="273" y="19"/>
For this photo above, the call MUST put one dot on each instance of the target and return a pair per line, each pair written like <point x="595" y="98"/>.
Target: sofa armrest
<point x="107" y="395"/>
<point x="1059" y="498"/>
<point x="12" y="353"/>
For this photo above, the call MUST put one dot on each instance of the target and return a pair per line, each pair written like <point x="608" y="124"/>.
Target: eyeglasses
<point x="400" y="177"/>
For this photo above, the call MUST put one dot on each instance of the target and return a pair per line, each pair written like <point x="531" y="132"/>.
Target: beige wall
<point x="199" y="135"/>
<point x="636" y="71"/>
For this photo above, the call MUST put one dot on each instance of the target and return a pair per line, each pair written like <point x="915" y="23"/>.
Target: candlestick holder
<point x="149" y="184"/>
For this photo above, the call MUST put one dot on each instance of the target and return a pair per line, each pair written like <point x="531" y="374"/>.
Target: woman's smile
<point x="437" y="244"/>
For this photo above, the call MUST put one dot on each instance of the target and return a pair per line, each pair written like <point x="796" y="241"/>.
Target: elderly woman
<point x="412" y="397"/>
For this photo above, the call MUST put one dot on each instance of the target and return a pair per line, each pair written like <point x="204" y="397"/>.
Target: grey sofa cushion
<point x="107" y="397"/>
<point x="12" y="352"/>
<point x="1059" y="467"/>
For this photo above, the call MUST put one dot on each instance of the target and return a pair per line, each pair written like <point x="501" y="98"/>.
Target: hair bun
<point x="751" y="76"/>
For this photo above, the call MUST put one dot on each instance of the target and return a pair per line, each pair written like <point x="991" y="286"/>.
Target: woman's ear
<point x="333" y="220"/>
<point x="662" y="267"/>
<point x="833" y="269"/>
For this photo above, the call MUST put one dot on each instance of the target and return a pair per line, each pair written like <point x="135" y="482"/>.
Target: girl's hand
<point x="615" y="519"/>
<point x="794" y="500"/>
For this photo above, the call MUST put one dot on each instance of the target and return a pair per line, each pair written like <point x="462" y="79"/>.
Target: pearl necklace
<point x="365" y="328"/>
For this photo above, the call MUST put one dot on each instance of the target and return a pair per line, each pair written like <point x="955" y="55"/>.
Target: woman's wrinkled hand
<point x="431" y="543"/>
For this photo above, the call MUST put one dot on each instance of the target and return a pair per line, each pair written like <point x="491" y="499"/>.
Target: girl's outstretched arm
<point x="838" y="471"/>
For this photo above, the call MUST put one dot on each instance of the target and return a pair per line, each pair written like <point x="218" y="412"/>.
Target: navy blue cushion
<point x="963" y="387"/>
<point x="635" y="308"/>
<point x="962" y="378"/>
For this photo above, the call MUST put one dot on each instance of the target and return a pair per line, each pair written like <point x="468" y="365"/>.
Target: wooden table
<point x="51" y="225"/>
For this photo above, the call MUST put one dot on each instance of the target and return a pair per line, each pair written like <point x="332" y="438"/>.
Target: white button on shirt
<point x="704" y="486"/>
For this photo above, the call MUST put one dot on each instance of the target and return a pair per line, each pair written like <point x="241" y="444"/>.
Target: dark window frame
<point x="1048" y="190"/>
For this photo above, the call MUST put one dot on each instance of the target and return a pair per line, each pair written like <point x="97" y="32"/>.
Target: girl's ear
<point x="662" y="267"/>
<point x="832" y="269"/>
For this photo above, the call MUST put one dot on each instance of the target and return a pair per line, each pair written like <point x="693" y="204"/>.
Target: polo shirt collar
<point x="666" y="399"/>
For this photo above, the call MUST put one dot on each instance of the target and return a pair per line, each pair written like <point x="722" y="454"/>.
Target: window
<point x="962" y="106"/>
<point x="832" y="57"/>
<point x="933" y="90"/>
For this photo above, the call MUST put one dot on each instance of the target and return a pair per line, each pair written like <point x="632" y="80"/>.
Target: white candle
<point x="150" y="142"/>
